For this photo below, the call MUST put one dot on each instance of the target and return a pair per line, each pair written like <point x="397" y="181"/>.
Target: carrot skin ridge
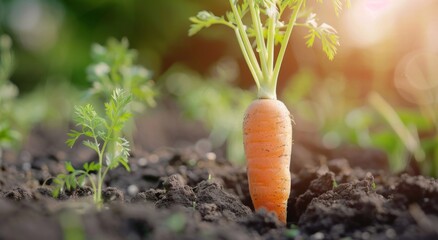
<point x="267" y="130"/>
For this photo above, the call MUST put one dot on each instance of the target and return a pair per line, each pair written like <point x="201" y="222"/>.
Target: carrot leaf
<point x="270" y="24"/>
<point x="205" y="19"/>
<point x="326" y="33"/>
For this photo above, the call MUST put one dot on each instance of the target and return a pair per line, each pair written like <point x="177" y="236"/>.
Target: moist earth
<point x="189" y="192"/>
<point x="181" y="194"/>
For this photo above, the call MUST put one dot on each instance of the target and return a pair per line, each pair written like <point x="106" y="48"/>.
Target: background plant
<point x="114" y="67"/>
<point x="415" y="129"/>
<point x="19" y="113"/>
<point x="215" y="102"/>
<point x="100" y="133"/>
<point x="332" y="105"/>
<point x="8" y="93"/>
<point x="36" y="109"/>
<point x="343" y="118"/>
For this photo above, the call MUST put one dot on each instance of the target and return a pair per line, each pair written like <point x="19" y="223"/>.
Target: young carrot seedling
<point x="114" y="67"/>
<point x="101" y="132"/>
<point x="267" y="124"/>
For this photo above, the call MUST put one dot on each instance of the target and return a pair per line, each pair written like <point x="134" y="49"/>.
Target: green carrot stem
<point x="247" y="58"/>
<point x="285" y="41"/>
<point x="271" y="44"/>
<point x="261" y="48"/>
<point x="246" y="42"/>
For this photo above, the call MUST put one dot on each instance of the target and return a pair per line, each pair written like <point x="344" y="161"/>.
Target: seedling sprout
<point x="100" y="133"/>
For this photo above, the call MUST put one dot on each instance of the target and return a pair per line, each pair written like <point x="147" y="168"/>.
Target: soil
<point x="184" y="192"/>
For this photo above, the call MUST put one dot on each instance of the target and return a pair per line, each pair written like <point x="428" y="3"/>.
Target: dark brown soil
<point x="184" y="193"/>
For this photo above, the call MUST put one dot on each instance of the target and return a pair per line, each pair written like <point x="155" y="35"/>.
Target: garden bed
<point x="187" y="193"/>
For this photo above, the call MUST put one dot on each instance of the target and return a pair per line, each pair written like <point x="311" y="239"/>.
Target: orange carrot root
<point x="267" y="131"/>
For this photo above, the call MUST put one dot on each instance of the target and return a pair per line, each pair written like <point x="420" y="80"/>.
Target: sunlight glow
<point x="369" y="21"/>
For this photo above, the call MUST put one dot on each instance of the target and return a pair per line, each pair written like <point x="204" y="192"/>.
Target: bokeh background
<point x="53" y="37"/>
<point x="381" y="90"/>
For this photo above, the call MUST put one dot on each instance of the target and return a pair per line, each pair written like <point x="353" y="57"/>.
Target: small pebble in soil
<point x="318" y="236"/>
<point x="132" y="190"/>
<point x="142" y="162"/>
<point x="211" y="156"/>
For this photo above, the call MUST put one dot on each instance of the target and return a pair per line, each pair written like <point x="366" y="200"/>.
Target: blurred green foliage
<point x="36" y="108"/>
<point x="8" y="92"/>
<point x="114" y="67"/>
<point x="71" y="225"/>
<point x="53" y="36"/>
<point x="19" y="114"/>
<point x="415" y="127"/>
<point x="214" y="101"/>
<point x="342" y="117"/>
<point x="402" y="140"/>
<point x="331" y="104"/>
<point x="176" y="222"/>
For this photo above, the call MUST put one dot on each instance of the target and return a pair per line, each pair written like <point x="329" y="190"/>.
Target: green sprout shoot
<point x="100" y="133"/>
<point x="270" y="25"/>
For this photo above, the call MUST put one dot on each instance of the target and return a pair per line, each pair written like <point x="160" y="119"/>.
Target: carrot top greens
<point x="100" y="133"/>
<point x="270" y="23"/>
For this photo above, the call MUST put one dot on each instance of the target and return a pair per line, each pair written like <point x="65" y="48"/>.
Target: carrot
<point x="267" y="125"/>
<point x="267" y="133"/>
